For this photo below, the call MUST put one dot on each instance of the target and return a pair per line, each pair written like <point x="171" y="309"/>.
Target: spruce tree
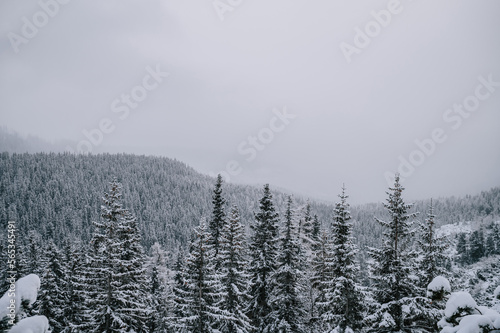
<point x="288" y="313"/>
<point x="119" y="301"/>
<point x="76" y="312"/>
<point x="218" y="215"/>
<point x="234" y="278"/>
<point x="463" y="249"/>
<point x="179" y="304"/>
<point x="495" y="231"/>
<point x="344" y="298"/>
<point x="321" y="267"/>
<point x="202" y="295"/>
<point x="392" y="268"/>
<point x="263" y="249"/>
<point x="34" y="251"/>
<point x="53" y="298"/>
<point x="157" y="288"/>
<point x="305" y="229"/>
<point x="316" y="229"/>
<point x="490" y="248"/>
<point x="431" y="247"/>
<point x="476" y="242"/>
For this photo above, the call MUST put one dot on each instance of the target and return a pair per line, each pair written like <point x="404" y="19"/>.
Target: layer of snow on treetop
<point x="439" y="283"/>
<point x="474" y="324"/>
<point x="26" y="289"/>
<point x="35" y="324"/>
<point x="496" y="293"/>
<point x="459" y="301"/>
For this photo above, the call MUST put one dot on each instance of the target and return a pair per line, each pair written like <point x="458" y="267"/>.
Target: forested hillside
<point x="58" y="195"/>
<point x="147" y="244"/>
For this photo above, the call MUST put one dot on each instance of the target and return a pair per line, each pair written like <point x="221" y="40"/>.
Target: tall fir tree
<point x="157" y="288"/>
<point x="392" y="268"/>
<point x="218" y="215"/>
<point x="476" y="243"/>
<point x="344" y="296"/>
<point x="202" y="292"/>
<point x="316" y="229"/>
<point x="53" y="298"/>
<point x="120" y="300"/>
<point x="490" y="247"/>
<point x="233" y="276"/>
<point x="288" y="313"/>
<point x="431" y="247"/>
<point x="263" y="249"/>
<point x="179" y="305"/>
<point x="495" y="231"/>
<point x="462" y="249"/>
<point x="305" y="229"/>
<point x="321" y="267"/>
<point x="35" y="261"/>
<point x="75" y="313"/>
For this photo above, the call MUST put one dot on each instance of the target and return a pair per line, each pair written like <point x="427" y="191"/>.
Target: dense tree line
<point x="58" y="196"/>
<point x="478" y="244"/>
<point x="281" y="271"/>
<point x="231" y="281"/>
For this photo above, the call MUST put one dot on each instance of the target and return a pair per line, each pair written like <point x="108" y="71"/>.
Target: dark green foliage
<point x="218" y="215"/>
<point x="234" y="279"/>
<point x="392" y="267"/>
<point x="118" y="298"/>
<point x="288" y="313"/>
<point x="264" y="250"/>
<point x="432" y="248"/>
<point x="344" y="301"/>
<point x="53" y="297"/>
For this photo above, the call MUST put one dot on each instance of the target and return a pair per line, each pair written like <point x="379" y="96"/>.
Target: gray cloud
<point x="353" y="121"/>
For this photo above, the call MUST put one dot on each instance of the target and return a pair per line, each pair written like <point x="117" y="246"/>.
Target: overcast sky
<point x="354" y="83"/>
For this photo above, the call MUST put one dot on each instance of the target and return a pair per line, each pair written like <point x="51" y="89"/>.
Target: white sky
<point x="353" y="120"/>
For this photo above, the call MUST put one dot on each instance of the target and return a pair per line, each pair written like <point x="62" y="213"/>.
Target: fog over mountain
<point x="302" y="96"/>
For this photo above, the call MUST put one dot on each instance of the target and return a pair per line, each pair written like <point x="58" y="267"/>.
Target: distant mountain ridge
<point x="59" y="195"/>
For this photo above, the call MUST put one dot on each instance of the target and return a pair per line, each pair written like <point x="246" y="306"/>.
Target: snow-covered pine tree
<point x="233" y="276"/>
<point x="120" y="301"/>
<point x="35" y="261"/>
<point x="75" y="313"/>
<point x="392" y="268"/>
<point x="157" y="288"/>
<point x="490" y="247"/>
<point x="431" y="247"/>
<point x="179" y="308"/>
<point x="305" y="229"/>
<point x="263" y="249"/>
<point x="344" y="298"/>
<point x="218" y="215"/>
<point x="476" y="245"/>
<point x="321" y="277"/>
<point x="53" y="298"/>
<point x="287" y="309"/>
<point x="495" y="232"/>
<point x="462" y="249"/>
<point x="316" y="229"/>
<point x="203" y="294"/>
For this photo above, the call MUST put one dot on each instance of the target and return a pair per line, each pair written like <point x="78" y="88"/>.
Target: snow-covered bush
<point x="460" y="304"/>
<point x="12" y="305"/>
<point x="463" y="315"/>
<point x="24" y="291"/>
<point x="438" y="288"/>
<point x="35" y="324"/>
<point x="496" y="293"/>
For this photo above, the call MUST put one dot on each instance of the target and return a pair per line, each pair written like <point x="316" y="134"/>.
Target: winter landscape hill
<point x="56" y="201"/>
<point x="58" y="195"/>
